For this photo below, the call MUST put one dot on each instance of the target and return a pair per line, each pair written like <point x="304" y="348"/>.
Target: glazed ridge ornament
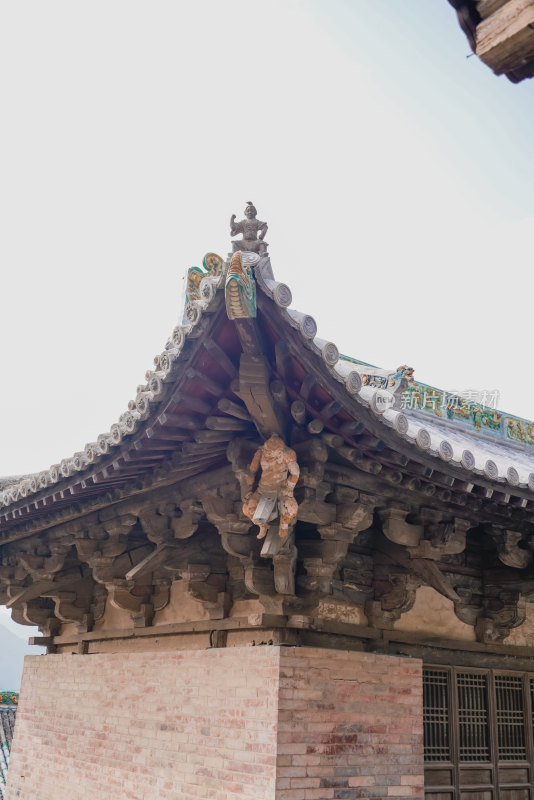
<point x="240" y="286"/>
<point x="212" y="267"/>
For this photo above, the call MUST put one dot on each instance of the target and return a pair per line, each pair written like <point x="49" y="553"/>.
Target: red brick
<point x="228" y="724"/>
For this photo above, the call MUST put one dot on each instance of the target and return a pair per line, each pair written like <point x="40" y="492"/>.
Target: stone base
<point x="243" y="722"/>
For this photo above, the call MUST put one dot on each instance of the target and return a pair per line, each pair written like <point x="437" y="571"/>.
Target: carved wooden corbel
<point x="73" y="604"/>
<point x="313" y="510"/>
<point x="397" y="530"/>
<point x="441" y="538"/>
<point x="348" y="513"/>
<point x="393" y="597"/>
<point x="355" y="582"/>
<point x="503" y="610"/>
<point x="39" y="613"/>
<point x="223" y="507"/>
<point x="119" y="525"/>
<point x="312" y="455"/>
<point x="161" y="593"/>
<point x="272" y="583"/>
<point x="98" y="603"/>
<point x="140" y="610"/>
<point x="44" y="565"/>
<point x="321" y="559"/>
<point x="155" y="523"/>
<point x="434" y="577"/>
<point x="185" y="524"/>
<point x="354" y="510"/>
<point x="509" y="548"/>
<point x="284" y="555"/>
<point x="424" y="569"/>
<point x="100" y="551"/>
<point x="468" y="608"/>
<point x="131" y="595"/>
<point x="254" y="381"/>
<point x="208" y="588"/>
<point x="247" y="573"/>
<point x="12" y="579"/>
<point x="259" y="580"/>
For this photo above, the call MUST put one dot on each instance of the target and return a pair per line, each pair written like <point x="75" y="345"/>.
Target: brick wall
<point x="254" y="723"/>
<point x="350" y="725"/>
<point x="197" y="724"/>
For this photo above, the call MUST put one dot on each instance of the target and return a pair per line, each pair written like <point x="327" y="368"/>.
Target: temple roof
<point x="477" y="432"/>
<point x="177" y="425"/>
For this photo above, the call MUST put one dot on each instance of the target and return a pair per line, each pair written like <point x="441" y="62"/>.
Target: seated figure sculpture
<point x="253" y="231"/>
<point x="279" y="474"/>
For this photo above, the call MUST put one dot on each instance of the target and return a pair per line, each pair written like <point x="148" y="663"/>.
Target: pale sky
<point x="394" y="172"/>
<point x="22" y="631"/>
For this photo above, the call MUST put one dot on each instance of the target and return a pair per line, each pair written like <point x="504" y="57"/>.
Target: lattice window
<point x="482" y="723"/>
<point x="473" y="717"/>
<point x="436" y="715"/>
<point x="510" y="714"/>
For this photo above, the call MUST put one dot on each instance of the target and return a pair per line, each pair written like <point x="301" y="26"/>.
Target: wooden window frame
<point x="501" y="772"/>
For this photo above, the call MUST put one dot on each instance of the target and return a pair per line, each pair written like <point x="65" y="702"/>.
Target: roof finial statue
<point x="253" y="231"/>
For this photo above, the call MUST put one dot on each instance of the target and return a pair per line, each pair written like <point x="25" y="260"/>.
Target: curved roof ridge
<point x="498" y="460"/>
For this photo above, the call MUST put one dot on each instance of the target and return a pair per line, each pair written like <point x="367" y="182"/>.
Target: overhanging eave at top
<point x="193" y="405"/>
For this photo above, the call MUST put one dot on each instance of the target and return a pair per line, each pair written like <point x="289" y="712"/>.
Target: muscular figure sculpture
<point x="279" y="474"/>
<point x="253" y="231"/>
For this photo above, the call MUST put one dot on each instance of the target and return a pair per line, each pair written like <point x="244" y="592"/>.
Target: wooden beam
<point x="254" y="380"/>
<point x="227" y="424"/>
<point x="488" y="7"/>
<point x="168" y="434"/>
<point x="205" y="448"/>
<point x="505" y="39"/>
<point x="221" y="358"/>
<point x="307" y="386"/>
<point x="207" y="383"/>
<point x="188" y="421"/>
<point x="194" y="403"/>
<point x="330" y="409"/>
<point x="298" y="412"/>
<point x="278" y="391"/>
<point x="146" y="445"/>
<point x="233" y="409"/>
<point x="254" y="621"/>
<point x="213" y="436"/>
<point x="283" y="359"/>
<point x="316" y="426"/>
<point x="249" y="336"/>
<point x="293" y="622"/>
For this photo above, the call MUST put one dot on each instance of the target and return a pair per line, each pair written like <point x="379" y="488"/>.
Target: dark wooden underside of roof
<point x="189" y="429"/>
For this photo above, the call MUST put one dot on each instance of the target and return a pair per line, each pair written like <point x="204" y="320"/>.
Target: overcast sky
<point x="395" y="174"/>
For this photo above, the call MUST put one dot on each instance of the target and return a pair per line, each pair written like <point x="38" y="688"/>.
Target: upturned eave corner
<point x="275" y="489"/>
